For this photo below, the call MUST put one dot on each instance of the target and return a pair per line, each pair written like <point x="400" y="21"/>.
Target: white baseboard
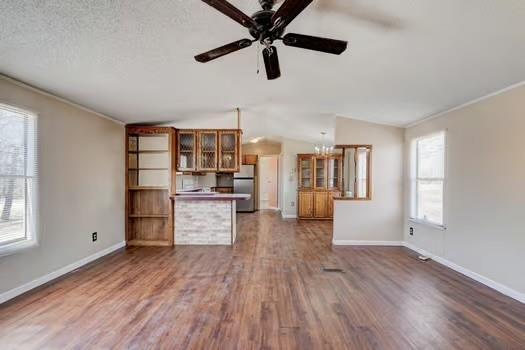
<point x="10" y="294"/>
<point x="368" y="243"/>
<point x="288" y="216"/>
<point x="475" y="276"/>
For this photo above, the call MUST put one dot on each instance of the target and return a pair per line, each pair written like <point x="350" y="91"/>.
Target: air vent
<point x="335" y="270"/>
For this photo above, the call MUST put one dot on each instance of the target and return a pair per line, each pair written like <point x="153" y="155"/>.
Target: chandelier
<point x="324" y="149"/>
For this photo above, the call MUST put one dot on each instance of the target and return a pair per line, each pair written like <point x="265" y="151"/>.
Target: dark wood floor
<point x="266" y="293"/>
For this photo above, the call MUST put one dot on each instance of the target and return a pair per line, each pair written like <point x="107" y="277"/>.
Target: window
<point x="17" y="179"/>
<point x="428" y="179"/>
<point x="356" y="174"/>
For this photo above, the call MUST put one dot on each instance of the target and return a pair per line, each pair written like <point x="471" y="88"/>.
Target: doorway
<point x="269" y="182"/>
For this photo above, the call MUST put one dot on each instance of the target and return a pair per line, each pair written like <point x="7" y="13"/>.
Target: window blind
<point x="18" y="175"/>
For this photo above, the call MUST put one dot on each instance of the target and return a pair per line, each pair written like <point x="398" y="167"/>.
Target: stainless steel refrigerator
<point x="244" y="182"/>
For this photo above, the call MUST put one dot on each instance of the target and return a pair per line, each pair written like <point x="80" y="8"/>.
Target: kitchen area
<point x="185" y="187"/>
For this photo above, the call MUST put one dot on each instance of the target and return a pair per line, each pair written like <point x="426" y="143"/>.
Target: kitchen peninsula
<point x="206" y="218"/>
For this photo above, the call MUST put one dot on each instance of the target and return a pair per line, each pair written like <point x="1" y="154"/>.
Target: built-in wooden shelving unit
<point x="150" y="180"/>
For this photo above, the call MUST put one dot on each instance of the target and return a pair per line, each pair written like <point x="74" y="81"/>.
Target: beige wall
<point x="262" y="148"/>
<point x="81" y="186"/>
<point x="485" y="191"/>
<point x="379" y="220"/>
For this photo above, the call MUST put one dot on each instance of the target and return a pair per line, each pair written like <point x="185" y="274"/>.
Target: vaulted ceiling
<point x="133" y="60"/>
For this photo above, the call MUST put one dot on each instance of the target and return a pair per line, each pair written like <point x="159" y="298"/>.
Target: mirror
<point x="356" y="171"/>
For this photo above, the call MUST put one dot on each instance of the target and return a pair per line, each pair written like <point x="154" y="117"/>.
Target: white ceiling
<point x="133" y="60"/>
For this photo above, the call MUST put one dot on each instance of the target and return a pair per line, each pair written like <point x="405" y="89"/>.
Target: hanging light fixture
<point x="324" y="149"/>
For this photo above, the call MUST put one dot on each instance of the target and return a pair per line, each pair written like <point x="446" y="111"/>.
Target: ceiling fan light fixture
<point x="266" y="26"/>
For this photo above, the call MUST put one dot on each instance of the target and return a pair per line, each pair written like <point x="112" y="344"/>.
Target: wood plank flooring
<point x="268" y="292"/>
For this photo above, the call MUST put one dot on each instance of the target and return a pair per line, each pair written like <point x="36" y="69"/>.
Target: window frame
<point x="414" y="181"/>
<point x="31" y="225"/>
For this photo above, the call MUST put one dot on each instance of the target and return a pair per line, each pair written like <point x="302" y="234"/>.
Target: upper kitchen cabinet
<point x="229" y="155"/>
<point x="187" y="150"/>
<point x="209" y="150"/>
<point x="207" y="146"/>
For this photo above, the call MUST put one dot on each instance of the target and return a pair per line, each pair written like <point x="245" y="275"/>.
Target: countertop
<point x="210" y="196"/>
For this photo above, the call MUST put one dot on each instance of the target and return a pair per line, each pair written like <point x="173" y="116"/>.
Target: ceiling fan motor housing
<point x="267" y="4"/>
<point x="264" y="20"/>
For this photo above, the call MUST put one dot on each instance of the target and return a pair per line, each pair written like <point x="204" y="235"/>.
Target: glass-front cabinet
<point x="305" y="172"/>
<point x="207" y="151"/>
<point x="217" y="150"/>
<point x="228" y="146"/>
<point x="334" y="172"/>
<point x="320" y="173"/>
<point x="187" y="151"/>
<point x="319" y="181"/>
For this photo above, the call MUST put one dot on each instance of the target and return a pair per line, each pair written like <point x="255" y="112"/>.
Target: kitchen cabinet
<point x="207" y="146"/>
<point x="229" y="157"/>
<point x="209" y="150"/>
<point x="187" y="150"/>
<point x="249" y="159"/>
<point x="319" y="180"/>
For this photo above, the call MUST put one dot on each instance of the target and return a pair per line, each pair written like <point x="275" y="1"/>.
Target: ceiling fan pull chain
<point x="258" y="58"/>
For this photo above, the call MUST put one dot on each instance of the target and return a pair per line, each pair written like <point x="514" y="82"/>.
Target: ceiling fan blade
<point x="233" y="12"/>
<point x="287" y="13"/>
<point x="335" y="47"/>
<point x="223" y="50"/>
<point x="271" y="62"/>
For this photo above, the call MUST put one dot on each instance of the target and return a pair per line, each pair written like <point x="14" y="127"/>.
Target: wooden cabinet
<point x="319" y="173"/>
<point x="306" y="204"/>
<point x="209" y="150"/>
<point x="150" y="179"/>
<point x="187" y="150"/>
<point x="228" y="151"/>
<point x="320" y="204"/>
<point x="334" y="170"/>
<point x="249" y="159"/>
<point x="305" y="172"/>
<point x="330" y="205"/>
<point x="319" y="180"/>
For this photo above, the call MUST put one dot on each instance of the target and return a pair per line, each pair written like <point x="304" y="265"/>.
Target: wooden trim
<point x="369" y="173"/>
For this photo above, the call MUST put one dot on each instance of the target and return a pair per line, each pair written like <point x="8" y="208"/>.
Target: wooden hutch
<point x="319" y="180"/>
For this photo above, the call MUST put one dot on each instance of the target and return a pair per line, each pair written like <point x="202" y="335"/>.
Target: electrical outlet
<point x="94" y="236"/>
<point x="411" y="231"/>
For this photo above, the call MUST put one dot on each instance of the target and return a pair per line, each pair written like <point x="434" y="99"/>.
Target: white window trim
<point x="28" y="243"/>
<point x="414" y="179"/>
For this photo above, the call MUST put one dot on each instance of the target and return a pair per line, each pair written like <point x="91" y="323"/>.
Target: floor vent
<point x="326" y="269"/>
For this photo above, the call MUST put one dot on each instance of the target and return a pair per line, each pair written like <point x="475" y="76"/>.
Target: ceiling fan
<point x="266" y="26"/>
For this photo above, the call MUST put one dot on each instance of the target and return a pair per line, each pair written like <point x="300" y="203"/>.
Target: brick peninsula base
<point x="206" y="219"/>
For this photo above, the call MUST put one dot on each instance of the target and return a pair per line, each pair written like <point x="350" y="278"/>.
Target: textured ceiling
<point x="133" y="60"/>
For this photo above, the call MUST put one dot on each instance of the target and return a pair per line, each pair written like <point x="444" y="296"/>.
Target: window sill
<point x="17" y="247"/>
<point x="428" y="224"/>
